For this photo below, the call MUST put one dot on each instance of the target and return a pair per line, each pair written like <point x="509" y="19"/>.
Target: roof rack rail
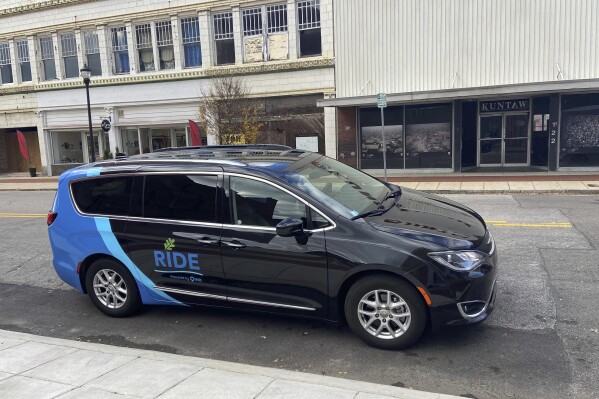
<point x="275" y="147"/>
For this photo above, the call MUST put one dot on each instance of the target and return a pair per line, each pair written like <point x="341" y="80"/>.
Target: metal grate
<point x="47" y="48"/>
<point x="92" y="45"/>
<point x="277" y="18"/>
<point x="164" y="33"/>
<point x="223" y="26"/>
<point x="190" y="28"/>
<point x="68" y="44"/>
<point x="4" y="54"/>
<point x="252" y="21"/>
<point x="119" y="38"/>
<point x="143" y="34"/>
<point x="308" y="12"/>
<point x="23" y="50"/>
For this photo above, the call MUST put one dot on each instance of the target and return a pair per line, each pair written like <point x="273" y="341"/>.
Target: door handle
<point x="208" y="241"/>
<point x="233" y="244"/>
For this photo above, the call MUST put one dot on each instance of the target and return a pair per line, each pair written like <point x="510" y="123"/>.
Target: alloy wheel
<point x="384" y="314"/>
<point x="110" y="288"/>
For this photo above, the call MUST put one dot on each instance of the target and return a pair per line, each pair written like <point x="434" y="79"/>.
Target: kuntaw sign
<point x="504" y="105"/>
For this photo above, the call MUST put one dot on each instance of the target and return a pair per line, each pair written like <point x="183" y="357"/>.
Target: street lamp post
<point x="86" y="74"/>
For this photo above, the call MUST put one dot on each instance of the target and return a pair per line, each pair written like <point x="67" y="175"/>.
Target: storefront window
<point x="144" y="134"/>
<point x="371" y="138"/>
<point x="130" y="142"/>
<point x="579" y="130"/>
<point x="67" y="147"/>
<point x="180" y="137"/>
<point x="428" y="136"/>
<point x="161" y="138"/>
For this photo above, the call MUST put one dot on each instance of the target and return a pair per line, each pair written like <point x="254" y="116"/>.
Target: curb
<point x="296" y="376"/>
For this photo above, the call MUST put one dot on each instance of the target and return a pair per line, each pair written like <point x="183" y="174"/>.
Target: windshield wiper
<point x="379" y="211"/>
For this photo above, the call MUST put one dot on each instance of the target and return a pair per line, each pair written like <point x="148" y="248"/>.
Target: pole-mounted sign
<point x="105" y="125"/>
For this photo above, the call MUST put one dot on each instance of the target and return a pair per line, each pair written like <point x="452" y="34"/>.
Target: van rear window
<point x="104" y="195"/>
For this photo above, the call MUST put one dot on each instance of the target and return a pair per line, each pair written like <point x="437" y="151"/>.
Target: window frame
<point x="70" y="53"/>
<point x="45" y="56"/>
<point x="217" y="36"/>
<point x="23" y="57"/>
<point x="309" y="206"/>
<point x="300" y="5"/>
<point x="143" y="45"/>
<point x="91" y="42"/>
<point x="161" y="32"/>
<point x="258" y="18"/>
<point x="184" y="22"/>
<point x="117" y="47"/>
<point x="6" y="61"/>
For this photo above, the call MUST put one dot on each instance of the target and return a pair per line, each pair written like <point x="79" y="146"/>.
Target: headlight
<point x="459" y="260"/>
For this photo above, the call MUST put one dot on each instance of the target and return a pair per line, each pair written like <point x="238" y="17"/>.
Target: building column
<point x="80" y="41"/>
<point x="330" y="132"/>
<point x="57" y="56"/>
<point x="237" y="36"/>
<point x="327" y="33"/>
<point x="457" y="136"/>
<point x="45" y="144"/>
<point x="206" y="39"/>
<point x="105" y="43"/>
<point x="132" y="48"/>
<point x="177" y="43"/>
<point x="554" y="105"/>
<point x="34" y="61"/>
<point x="292" y="29"/>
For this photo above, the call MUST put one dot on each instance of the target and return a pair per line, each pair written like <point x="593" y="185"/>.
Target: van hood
<point x="431" y="218"/>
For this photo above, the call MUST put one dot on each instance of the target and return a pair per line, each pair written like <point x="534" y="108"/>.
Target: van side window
<point x="180" y="197"/>
<point x="103" y="195"/>
<point x="254" y="203"/>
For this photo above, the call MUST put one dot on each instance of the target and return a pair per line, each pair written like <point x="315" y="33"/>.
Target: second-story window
<point x="68" y="45"/>
<point x="265" y="33"/>
<point x="47" y="52"/>
<point x="308" y="17"/>
<point x="5" y="64"/>
<point x="120" y="50"/>
<point x="24" y="64"/>
<point x="164" y="40"/>
<point x="190" y="31"/>
<point x="143" y="34"/>
<point x="223" y="38"/>
<point x="92" y="52"/>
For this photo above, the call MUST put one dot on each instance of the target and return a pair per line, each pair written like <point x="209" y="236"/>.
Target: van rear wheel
<point x="385" y="312"/>
<point x="112" y="288"/>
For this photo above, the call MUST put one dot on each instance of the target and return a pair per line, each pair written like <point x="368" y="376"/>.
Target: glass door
<point x="491" y="140"/>
<point x="504" y="140"/>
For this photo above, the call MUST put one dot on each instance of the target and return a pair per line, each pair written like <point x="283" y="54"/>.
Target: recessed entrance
<point x="504" y="139"/>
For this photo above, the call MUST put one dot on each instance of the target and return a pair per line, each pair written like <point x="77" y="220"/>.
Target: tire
<point x="378" y="326"/>
<point x="116" y="293"/>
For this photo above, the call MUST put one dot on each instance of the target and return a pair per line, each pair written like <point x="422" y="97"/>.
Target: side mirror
<point x="290" y="227"/>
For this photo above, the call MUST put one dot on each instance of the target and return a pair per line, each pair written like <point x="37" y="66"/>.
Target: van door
<point x="265" y="271"/>
<point x="175" y="239"/>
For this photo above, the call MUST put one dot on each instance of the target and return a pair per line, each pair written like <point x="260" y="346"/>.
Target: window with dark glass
<point x="5" y="64"/>
<point x="255" y="203"/>
<point x="69" y="55"/>
<point x="223" y="38"/>
<point x="92" y="52"/>
<point x="24" y="63"/>
<point x="104" y="195"/>
<point x="47" y="55"/>
<point x="192" y="51"/>
<point x="371" y="138"/>
<point x="180" y="197"/>
<point x="120" y="50"/>
<point x="578" y="131"/>
<point x="428" y="136"/>
<point x="308" y="16"/>
<point x="164" y="41"/>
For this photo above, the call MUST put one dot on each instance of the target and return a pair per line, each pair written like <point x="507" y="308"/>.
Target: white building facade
<point x="151" y="61"/>
<point x="470" y="84"/>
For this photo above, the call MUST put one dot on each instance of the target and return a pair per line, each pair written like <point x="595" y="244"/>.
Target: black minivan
<point x="273" y="229"/>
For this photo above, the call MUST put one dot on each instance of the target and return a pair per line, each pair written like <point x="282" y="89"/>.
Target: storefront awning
<point x="524" y="89"/>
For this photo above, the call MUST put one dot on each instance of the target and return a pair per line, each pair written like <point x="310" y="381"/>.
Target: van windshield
<point x="345" y="189"/>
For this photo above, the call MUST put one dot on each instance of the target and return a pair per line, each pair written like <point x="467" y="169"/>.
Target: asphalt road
<point x="542" y="341"/>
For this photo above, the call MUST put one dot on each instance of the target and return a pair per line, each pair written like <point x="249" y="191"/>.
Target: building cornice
<point x="234" y="70"/>
<point x="39" y="6"/>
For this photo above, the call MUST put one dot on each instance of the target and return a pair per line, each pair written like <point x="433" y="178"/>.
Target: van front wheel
<point x="385" y="312"/>
<point x="112" y="288"/>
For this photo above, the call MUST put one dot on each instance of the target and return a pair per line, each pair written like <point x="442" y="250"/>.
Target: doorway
<point x="504" y="140"/>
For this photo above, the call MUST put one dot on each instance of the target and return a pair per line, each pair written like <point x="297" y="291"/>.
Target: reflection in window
<point x="579" y="130"/>
<point x="103" y="196"/>
<point x="254" y="203"/>
<point x="67" y="147"/>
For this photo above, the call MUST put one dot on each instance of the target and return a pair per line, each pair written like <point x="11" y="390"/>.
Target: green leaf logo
<point x="169" y="244"/>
